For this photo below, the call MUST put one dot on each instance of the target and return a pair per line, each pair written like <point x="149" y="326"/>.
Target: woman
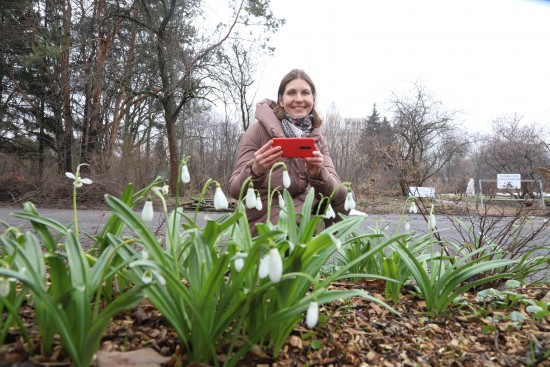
<point x="293" y="115"/>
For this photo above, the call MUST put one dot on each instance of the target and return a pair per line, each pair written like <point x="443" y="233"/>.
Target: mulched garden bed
<point x="353" y="332"/>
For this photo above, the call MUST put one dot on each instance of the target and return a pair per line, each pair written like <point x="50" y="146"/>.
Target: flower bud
<point x="286" y="178"/>
<point x="312" y="315"/>
<point x="250" y="199"/>
<point x="275" y="265"/>
<point x="185" y="178"/>
<point x="147" y="213"/>
<point x="220" y="201"/>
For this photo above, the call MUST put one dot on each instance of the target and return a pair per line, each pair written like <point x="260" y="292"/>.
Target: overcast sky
<point x="487" y="58"/>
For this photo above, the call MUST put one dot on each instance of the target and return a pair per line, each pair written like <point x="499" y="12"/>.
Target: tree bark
<point x="66" y="150"/>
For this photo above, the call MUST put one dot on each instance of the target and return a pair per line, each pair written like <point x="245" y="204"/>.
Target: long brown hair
<point x="290" y="76"/>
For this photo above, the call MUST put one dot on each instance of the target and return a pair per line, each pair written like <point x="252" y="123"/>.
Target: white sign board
<point x="509" y="181"/>
<point x="422" y="192"/>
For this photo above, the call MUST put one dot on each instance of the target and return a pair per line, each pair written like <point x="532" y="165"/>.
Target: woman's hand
<point x="315" y="164"/>
<point x="265" y="157"/>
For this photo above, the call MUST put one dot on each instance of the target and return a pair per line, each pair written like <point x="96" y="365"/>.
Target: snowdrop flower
<point x="250" y="200"/>
<point x="312" y="315"/>
<point x="239" y="261"/>
<point x="275" y="265"/>
<point x="78" y="182"/>
<point x="349" y="204"/>
<point x="220" y="201"/>
<point x="407" y="226"/>
<point x="263" y="269"/>
<point x="413" y="208"/>
<point x="259" y="205"/>
<point x="185" y="178"/>
<point x="286" y="178"/>
<point x="147" y="277"/>
<point x="432" y="220"/>
<point x="4" y="286"/>
<point x="147" y="213"/>
<point x="239" y="264"/>
<point x="163" y="190"/>
<point x="281" y="201"/>
<point x="330" y="212"/>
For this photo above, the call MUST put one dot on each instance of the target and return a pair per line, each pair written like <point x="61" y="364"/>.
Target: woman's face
<point x="297" y="99"/>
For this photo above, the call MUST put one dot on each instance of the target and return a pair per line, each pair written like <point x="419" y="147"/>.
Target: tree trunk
<point x="67" y="143"/>
<point x="173" y="153"/>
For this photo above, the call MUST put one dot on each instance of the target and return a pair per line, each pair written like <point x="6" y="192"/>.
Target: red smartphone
<point x="296" y="147"/>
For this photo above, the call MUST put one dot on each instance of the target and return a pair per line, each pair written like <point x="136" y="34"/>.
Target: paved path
<point x="91" y="223"/>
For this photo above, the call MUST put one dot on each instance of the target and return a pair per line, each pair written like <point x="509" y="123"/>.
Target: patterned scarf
<point x="296" y="127"/>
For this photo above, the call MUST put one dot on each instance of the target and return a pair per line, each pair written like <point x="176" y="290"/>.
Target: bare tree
<point x="513" y="147"/>
<point x="426" y="138"/>
<point x="183" y="55"/>
<point x="236" y="75"/>
<point x="372" y="147"/>
<point x="341" y="138"/>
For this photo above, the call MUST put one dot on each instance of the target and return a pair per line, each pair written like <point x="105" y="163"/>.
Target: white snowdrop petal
<point x="275" y="265"/>
<point x="312" y="316"/>
<point x="263" y="270"/>
<point x="239" y="264"/>
<point x="286" y="179"/>
<point x="281" y="202"/>
<point x="220" y="201"/>
<point x="259" y="204"/>
<point x="147" y="213"/>
<point x="250" y="199"/>
<point x="185" y="177"/>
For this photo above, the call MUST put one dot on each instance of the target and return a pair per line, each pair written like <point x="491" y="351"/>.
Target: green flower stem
<point x="241" y="194"/>
<point x="178" y="181"/>
<point x="269" y="193"/>
<point x="75" y="215"/>
<point x="201" y="196"/>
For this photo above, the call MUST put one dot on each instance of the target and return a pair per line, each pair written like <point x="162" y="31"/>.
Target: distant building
<point x="354" y="123"/>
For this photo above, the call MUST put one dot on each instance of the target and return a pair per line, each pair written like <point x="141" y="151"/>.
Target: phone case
<point x="296" y="147"/>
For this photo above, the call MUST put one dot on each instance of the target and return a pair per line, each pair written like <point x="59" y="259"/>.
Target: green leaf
<point x="517" y="317"/>
<point x="316" y="344"/>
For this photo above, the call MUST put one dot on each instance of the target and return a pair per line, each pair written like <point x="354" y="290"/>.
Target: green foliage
<point x="213" y="309"/>
<point x="510" y="300"/>
<point x="68" y="302"/>
<point x="442" y="278"/>
<point x="385" y="263"/>
<point x="514" y="242"/>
